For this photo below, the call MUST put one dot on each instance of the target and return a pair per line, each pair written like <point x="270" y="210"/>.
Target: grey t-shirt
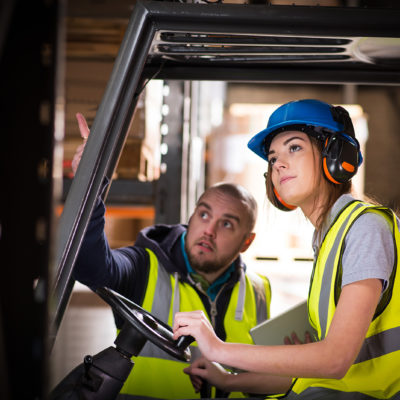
<point x="369" y="248"/>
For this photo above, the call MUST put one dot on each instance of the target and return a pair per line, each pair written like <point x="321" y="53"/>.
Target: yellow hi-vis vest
<point x="156" y="373"/>
<point x="375" y="373"/>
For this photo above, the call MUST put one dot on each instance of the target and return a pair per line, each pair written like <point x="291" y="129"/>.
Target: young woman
<point x="354" y="296"/>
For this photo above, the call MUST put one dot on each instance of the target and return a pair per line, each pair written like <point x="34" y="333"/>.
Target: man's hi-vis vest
<point x="156" y="373"/>
<point x="375" y="373"/>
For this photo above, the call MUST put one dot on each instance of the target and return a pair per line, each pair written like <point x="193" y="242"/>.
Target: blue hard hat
<point x="309" y="112"/>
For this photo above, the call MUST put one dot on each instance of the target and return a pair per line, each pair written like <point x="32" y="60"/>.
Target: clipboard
<point x="273" y="331"/>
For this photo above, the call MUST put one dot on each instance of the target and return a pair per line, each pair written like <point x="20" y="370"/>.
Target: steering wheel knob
<point x="184" y="341"/>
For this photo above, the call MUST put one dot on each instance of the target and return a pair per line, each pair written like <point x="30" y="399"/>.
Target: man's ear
<point x="248" y="242"/>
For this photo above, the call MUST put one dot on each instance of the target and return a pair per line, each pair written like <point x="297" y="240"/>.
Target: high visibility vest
<point x="375" y="374"/>
<point x="156" y="373"/>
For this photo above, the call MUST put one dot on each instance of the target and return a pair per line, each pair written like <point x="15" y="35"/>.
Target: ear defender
<point x="281" y="204"/>
<point x="341" y="155"/>
<point x="340" y="158"/>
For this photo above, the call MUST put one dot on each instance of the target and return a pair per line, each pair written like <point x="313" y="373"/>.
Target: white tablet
<point x="273" y="331"/>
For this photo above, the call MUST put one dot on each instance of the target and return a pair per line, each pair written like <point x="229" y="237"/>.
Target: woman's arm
<point x="329" y="358"/>
<point x="257" y="383"/>
<point x="248" y="382"/>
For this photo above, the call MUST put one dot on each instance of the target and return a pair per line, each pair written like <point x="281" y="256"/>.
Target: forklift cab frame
<point x="219" y="42"/>
<point x="253" y="43"/>
<point x="170" y="41"/>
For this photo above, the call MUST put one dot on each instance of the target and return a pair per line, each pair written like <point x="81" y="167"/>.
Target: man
<point x="174" y="268"/>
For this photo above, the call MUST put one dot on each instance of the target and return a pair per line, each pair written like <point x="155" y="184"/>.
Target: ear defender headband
<point x="341" y="155"/>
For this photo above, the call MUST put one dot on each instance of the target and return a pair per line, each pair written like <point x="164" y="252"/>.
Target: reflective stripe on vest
<point x="317" y="393"/>
<point x="374" y="374"/>
<point x="328" y="275"/>
<point x="156" y="373"/>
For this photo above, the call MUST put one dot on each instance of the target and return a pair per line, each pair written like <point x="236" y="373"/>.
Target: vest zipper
<point x="213" y="306"/>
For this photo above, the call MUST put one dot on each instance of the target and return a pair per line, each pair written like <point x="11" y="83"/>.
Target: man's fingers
<point x="295" y="338"/>
<point x="77" y="158"/>
<point x="196" y="373"/>
<point x="84" y="130"/>
<point x="83" y="126"/>
<point x="308" y="337"/>
<point x="196" y="382"/>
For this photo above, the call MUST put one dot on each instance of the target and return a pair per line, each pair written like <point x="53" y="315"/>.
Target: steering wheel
<point x="149" y="326"/>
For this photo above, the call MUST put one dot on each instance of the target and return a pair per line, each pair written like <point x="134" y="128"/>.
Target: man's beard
<point x="205" y="266"/>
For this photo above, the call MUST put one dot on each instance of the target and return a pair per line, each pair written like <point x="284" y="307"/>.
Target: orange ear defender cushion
<point x="348" y="167"/>
<point x="327" y="174"/>
<point x="286" y="205"/>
